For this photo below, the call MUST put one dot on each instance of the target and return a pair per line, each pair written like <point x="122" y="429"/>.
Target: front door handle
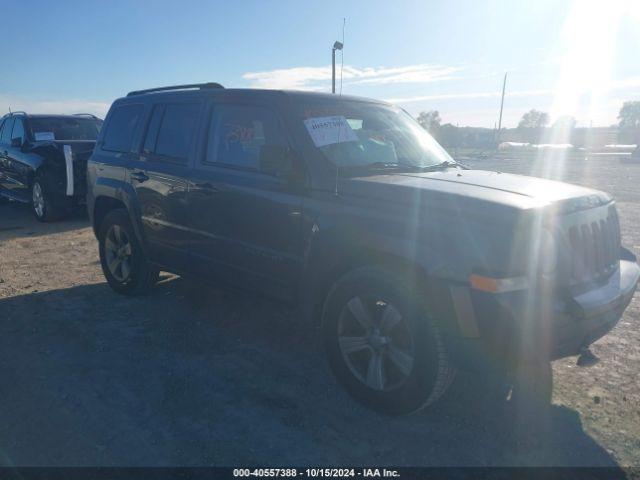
<point x="139" y="176"/>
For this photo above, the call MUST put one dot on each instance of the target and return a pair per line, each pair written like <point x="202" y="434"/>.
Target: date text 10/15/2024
<point x="316" y="472"/>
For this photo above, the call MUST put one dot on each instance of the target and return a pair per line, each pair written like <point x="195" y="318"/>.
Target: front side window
<point x="358" y="134"/>
<point x="240" y="136"/>
<point x="64" y="128"/>
<point x="123" y="122"/>
<point x="176" y="131"/>
<point x="6" y="131"/>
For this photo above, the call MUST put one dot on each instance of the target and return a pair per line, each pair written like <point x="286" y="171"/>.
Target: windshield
<point x="65" y="128"/>
<point x="358" y="134"/>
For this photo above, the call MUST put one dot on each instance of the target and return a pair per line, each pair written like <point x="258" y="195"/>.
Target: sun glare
<point x="588" y="46"/>
<point x="588" y="39"/>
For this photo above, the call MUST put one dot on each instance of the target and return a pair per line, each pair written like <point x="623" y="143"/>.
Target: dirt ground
<point x="191" y="375"/>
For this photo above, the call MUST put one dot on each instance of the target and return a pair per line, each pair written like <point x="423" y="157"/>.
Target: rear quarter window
<point x="121" y="128"/>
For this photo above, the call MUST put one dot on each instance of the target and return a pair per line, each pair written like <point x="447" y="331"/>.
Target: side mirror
<point x="276" y="160"/>
<point x="17" y="142"/>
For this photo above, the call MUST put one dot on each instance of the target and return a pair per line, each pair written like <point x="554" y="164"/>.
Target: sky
<point x="565" y="57"/>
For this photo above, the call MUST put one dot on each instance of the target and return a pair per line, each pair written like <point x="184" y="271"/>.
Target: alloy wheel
<point x="118" y="253"/>
<point x="375" y="342"/>
<point x="38" y="199"/>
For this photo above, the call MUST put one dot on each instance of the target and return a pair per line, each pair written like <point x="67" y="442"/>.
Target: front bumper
<point x="507" y="326"/>
<point x="591" y="314"/>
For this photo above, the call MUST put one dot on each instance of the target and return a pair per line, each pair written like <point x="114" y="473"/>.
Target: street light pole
<point x="333" y="70"/>
<point x="504" y="86"/>
<point x="336" y="46"/>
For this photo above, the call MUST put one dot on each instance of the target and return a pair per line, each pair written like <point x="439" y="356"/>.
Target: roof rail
<point x="84" y="115"/>
<point x="201" y="86"/>
<point x="17" y="112"/>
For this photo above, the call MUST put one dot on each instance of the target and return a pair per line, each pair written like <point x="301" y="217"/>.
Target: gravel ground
<point x="192" y="375"/>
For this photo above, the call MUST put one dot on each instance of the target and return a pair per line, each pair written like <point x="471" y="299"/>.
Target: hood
<point x="81" y="149"/>
<point x="471" y="187"/>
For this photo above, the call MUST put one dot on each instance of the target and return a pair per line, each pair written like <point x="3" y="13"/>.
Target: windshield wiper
<point x="399" y="165"/>
<point x="377" y="165"/>
<point x="406" y="166"/>
<point x="381" y="165"/>
<point x="443" y="166"/>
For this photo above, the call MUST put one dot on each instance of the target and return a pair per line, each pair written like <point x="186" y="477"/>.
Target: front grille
<point x="595" y="247"/>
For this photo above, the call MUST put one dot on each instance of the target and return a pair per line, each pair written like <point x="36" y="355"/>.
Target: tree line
<point x="532" y="125"/>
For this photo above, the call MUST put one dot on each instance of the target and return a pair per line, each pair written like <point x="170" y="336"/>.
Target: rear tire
<point x="42" y="204"/>
<point x="382" y="345"/>
<point x="123" y="262"/>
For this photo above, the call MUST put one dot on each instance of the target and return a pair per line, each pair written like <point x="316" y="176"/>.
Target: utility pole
<point x="504" y="86"/>
<point x="336" y="46"/>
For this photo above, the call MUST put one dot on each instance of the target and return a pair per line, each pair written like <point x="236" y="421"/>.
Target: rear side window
<point x="6" y="130"/>
<point x="121" y="128"/>
<point x="237" y="134"/>
<point x="175" y="132"/>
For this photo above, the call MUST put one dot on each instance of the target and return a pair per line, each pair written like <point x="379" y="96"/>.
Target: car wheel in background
<point x="124" y="264"/>
<point x="382" y="344"/>
<point x="42" y="204"/>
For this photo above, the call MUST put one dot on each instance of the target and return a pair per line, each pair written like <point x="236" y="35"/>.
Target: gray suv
<point x="411" y="265"/>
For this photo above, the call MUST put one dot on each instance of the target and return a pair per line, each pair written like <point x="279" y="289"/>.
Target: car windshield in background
<point x="65" y="128"/>
<point x="358" y="134"/>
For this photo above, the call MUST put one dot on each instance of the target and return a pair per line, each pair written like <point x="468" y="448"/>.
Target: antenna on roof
<point x="9" y="109"/>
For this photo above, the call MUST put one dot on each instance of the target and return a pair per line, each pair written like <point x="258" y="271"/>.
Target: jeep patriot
<point x="411" y="265"/>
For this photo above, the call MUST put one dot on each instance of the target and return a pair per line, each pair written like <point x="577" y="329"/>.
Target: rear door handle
<point x="139" y="176"/>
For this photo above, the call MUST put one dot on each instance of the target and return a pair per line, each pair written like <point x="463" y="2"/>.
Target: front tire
<point x="382" y="345"/>
<point x="42" y="204"/>
<point x="123" y="262"/>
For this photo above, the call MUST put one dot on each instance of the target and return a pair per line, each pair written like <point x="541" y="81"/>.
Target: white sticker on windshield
<point x="40" y="136"/>
<point x="330" y="130"/>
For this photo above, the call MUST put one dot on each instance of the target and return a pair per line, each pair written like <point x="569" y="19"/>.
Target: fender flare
<point x="124" y="193"/>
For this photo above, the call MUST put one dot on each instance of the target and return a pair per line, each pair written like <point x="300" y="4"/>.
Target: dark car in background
<point x="412" y="265"/>
<point x="43" y="160"/>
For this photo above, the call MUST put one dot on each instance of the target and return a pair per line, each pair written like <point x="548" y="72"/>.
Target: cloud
<point x="58" y="106"/>
<point x="614" y="86"/>
<point x="288" y="78"/>
<point x="473" y="95"/>
<point x="314" y="78"/>
<point x="623" y="83"/>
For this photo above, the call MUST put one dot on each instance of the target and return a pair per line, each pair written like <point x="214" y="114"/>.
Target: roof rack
<point x="201" y="86"/>
<point x="84" y="115"/>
